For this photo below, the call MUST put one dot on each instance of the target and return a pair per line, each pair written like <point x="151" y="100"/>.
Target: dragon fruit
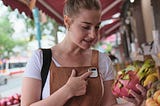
<point x="124" y="83"/>
<point x="128" y="78"/>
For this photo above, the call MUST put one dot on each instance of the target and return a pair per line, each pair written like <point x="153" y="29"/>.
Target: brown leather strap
<point x="53" y="64"/>
<point x="95" y="56"/>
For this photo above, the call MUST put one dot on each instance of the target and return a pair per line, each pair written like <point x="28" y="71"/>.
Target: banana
<point x="143" y="72"/>
<point x="150" y="79"/>
<point x="151" y="70"/>
<point x="146" y="69"/>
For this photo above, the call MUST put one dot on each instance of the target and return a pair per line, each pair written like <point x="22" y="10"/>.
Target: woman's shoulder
<point x="34" y="64"/>
<point x="36" y="52"/>
<point x="36" y="58"/>
<point x="104" y="57"/>
<point x="105" y="66"/>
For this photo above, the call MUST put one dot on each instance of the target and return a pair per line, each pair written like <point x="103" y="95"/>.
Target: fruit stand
<point x="12" y="100"/>
<point x="145" y="73"/>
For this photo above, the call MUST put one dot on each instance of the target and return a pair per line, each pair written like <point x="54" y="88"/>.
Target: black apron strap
<point x="47" y="57"/>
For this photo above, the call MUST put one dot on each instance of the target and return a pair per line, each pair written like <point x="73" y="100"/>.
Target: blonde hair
<point x="72" y="7"/>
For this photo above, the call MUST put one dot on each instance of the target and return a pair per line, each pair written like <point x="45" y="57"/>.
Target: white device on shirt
<point x="94" y="72"/>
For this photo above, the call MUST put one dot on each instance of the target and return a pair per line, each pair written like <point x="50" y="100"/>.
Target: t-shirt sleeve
<point x="106" y="68"/>
<point x="34" y="65"/>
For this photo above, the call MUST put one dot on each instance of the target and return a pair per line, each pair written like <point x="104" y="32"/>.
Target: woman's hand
<point x="77" y="85"/>
<point x="138" y="99"/>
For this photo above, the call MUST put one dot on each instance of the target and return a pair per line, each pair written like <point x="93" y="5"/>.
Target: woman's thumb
<point x="73" y="74"/>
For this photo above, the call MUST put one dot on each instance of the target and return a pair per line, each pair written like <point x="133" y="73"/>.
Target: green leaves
<point x="6" y="42"/>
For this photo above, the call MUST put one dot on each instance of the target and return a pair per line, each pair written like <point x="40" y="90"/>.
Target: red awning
<point x="54" y="9"/>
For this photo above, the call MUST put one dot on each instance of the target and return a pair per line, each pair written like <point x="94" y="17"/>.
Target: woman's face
<point x="84" y="28"/>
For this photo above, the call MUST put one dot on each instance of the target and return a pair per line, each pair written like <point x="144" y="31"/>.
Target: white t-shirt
<point x="34" y="65"/>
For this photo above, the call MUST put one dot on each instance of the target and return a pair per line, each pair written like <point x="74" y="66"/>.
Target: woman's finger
<point x="131" y="100"/>
<point x="73" y="74"/>
<point x="142" y="89"/>
<point x="139" y="99"/>
<point x="135" y="95"/>
<point x="86" y="75"/>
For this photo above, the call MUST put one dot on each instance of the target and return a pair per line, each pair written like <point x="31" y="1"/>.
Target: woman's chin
<point x="85" y="46"/>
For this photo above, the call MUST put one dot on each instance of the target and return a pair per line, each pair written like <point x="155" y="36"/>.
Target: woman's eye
<point x="86" y="27"/>
<point x="97" y="27"/>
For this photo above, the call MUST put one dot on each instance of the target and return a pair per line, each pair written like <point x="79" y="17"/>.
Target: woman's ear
<point x="67" y="21"/>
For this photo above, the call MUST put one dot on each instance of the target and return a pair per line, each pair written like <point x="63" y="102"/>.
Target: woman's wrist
<point x="68" y="91"/>
<point x="63" y="94"/>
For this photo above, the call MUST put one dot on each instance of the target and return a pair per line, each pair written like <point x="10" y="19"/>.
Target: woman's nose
<point x="93" y="33"/>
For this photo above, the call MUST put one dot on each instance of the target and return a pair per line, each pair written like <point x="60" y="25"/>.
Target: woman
<point x="69" y="83"/>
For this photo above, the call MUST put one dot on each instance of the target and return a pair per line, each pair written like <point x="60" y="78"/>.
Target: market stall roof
<point x="54" y="9"/>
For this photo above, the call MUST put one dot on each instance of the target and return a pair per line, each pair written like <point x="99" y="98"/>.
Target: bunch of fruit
<point x="127" y="79"/>
<point x="153" y="94"/>
<point x="13" y="100"/>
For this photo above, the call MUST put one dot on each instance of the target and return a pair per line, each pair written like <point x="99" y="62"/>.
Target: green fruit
<point x="154" y="87"/>
<point x="146" y="69"/>
<point x="150" y="92"/>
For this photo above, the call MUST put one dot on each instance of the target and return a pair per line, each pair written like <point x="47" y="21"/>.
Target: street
<point x="13" y="86"/>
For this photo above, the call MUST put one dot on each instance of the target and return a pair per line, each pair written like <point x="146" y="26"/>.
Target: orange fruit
<point x="156" y="94"/>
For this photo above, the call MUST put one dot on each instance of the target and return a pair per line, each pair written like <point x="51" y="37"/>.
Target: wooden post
<point x="137" y="15"/>
<point x="158" y="65"/>
<point x="156" y="7"/>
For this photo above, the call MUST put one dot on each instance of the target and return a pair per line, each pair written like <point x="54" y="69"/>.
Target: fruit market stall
<point x="12" y="100"/>
<point x="145" y="73"/>
<point x="144" y="70"/>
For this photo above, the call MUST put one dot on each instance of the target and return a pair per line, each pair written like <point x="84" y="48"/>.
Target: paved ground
<point x="13" y="86"/>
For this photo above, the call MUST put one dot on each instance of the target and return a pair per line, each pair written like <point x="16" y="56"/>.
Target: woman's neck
<point x="75" y="56"/>
<point x="70" y="48"/>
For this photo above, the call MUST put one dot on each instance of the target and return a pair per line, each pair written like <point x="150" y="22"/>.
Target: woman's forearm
<point x="59" y="98"/>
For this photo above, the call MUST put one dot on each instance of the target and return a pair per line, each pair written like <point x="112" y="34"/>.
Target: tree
<point x="6" y="42"/>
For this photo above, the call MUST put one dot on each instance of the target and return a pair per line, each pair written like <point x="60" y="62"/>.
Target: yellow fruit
<point x="150" y="79"/>
<point x="158" y="55"/>
<point x="151" y="102"/>
<point x="158" y="99"/>
<point x="155" y="95"/>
